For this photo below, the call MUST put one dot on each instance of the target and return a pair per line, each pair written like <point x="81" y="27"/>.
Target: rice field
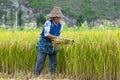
<point x="95" y="55"/>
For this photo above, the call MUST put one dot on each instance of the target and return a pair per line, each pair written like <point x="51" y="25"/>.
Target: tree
<point x="80" y="20"/>
<point x="20" y="21"/>
<point x="40" y="20"/>
<point x="5" y="12"/>
<point x="11" y="17"/>
<point x="41" y="4"/>
<point x="2" y="2"/>
<point x="89" y="9"/>
<point x="1" y="14"/>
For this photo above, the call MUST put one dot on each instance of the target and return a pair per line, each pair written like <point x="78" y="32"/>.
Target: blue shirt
<point x="44" y="43"/>
<point x="51" y="28"/>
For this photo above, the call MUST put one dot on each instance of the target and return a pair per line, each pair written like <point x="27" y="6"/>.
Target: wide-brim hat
<point x="56" y="12"/>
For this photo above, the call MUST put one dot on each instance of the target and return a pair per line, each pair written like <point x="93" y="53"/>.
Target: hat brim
<point x="55" y="15"/>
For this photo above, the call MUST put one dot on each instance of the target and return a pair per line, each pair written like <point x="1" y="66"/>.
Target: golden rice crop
<point x="94" y="55"/>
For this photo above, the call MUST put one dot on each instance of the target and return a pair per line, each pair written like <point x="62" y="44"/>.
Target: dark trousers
<point x="41" y="61"/>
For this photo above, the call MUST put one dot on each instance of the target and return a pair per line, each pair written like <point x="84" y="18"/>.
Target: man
<point x="51" y="31"/>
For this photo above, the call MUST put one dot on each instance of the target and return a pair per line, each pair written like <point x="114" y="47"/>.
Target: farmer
<point x="51" y="31"/>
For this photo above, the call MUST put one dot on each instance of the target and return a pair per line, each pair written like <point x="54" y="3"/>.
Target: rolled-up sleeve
<point x="47" y="27"/>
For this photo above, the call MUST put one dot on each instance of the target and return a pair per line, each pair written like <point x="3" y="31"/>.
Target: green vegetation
<point x="87" y="8"/>
<point x="20" y="21"/>
<point x="80" y="10"/>
<point x="41" y="4"/>
<point x="2" y="2"/>
<point x="40" y="20"/>
<point x="11" y="17"/>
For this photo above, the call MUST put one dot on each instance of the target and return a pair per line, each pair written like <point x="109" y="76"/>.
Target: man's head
<point x="56" y="14"/>
<point x="56" y="19"/>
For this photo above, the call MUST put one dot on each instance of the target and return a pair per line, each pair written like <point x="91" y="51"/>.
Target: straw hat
<point x="56" y="12"/>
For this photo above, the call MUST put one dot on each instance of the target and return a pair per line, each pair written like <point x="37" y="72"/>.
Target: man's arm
<point x="52" y="36"/>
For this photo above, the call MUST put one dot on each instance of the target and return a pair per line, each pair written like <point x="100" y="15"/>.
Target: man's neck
<point x="55" y="23"/>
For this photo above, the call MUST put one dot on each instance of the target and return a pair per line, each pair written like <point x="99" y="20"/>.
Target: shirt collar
<point x="54" y="23"/>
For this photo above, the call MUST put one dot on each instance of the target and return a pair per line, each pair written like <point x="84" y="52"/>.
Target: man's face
<point x="56" y="19"/>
